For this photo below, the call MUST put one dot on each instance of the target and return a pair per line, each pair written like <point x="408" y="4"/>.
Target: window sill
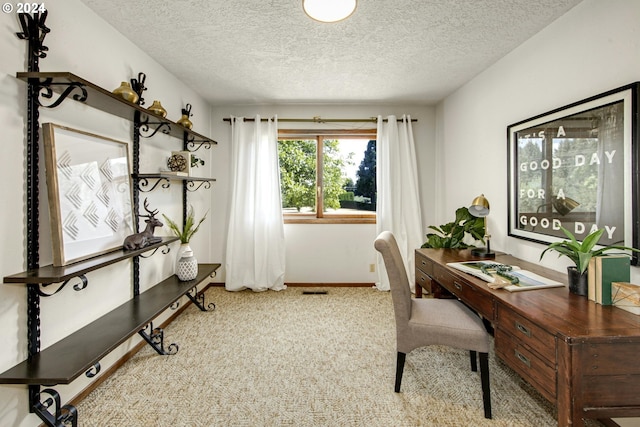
<point x="329" y="219"/>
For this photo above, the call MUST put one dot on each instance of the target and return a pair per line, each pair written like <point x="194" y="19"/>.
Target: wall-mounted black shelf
<point x="49" y="274"/>
<point x="81" y="351"/>
<point x="77" y="353"/>
<point x="69" y="85"/>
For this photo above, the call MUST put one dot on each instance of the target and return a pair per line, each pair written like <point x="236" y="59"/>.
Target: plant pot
<point x="578" y="282"/>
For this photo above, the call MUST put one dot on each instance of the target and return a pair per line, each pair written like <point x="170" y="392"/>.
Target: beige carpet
<point x="288" y="359"/>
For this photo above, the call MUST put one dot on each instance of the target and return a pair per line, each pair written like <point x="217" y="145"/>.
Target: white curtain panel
<point x="255" y="256"/>
<point x="398" y="202"/>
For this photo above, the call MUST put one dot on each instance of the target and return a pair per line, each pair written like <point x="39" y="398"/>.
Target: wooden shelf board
<point x="72" y="356"/>
<point x="104" y="100"/>
<point x="49" y="274"/>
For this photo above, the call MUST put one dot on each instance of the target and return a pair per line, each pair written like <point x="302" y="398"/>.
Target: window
<point x="328" y="177"/>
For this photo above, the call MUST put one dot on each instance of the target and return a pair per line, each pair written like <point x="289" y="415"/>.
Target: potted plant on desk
<point x="455" y="233"/>
<point x="187" y="265"/>
<point x="580" y="254"/>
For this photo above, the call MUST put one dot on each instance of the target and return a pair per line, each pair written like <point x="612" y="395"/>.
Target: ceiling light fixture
<point x="329" y="10"/>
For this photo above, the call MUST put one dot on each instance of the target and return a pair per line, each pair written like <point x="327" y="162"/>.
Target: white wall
<point x="85" y="45"/>
<point x="325" y="253"/>
<point x="568" y="61"/>
<point x="593" y="48"/>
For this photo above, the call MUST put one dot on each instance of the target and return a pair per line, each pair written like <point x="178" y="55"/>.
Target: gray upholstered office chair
<point x="423" y="322"/>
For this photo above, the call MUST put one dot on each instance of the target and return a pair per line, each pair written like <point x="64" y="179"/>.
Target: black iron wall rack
<point x="81" y="352"/>
<point x="66" y="84"/>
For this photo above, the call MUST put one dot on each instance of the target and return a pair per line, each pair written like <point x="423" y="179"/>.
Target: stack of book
<point x="605" y="270"/>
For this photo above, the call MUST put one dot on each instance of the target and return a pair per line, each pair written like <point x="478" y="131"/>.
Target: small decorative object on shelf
<point x="125" y="92"/>
<point x="184" y="120"/>
<point x="196" y="161"/>
<point x="146" y="237"/>
<point x="176" y="163"/>
<point x="180" y="161"/>
<point x="157" y="108"/>
<point x="138" y="87"/>
<point x="187" y="267"/>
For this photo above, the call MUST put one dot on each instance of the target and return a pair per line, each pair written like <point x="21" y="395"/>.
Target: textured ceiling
<point x="269" y="51"/>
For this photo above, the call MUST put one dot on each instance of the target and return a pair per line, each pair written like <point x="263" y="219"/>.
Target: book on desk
<point x="602" y="272"/>
<point x="502" y="276"/>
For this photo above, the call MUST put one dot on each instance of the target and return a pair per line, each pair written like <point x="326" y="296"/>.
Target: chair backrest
<point x="398" y="281"/>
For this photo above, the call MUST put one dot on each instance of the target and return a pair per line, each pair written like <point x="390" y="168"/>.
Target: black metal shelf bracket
<point x="62" y="415"/>
<point x="195" y="144"/>
<point x="84" y="282"/>
<point x="93" y="371"/>
<point x="155" y="338"/>
<point x="149" y="129"/>
<point x="45" y="90"/>
<point x="143" y="183"/>
<point x="199" y="300"/>
<point x="165" y="250"/>
<point x="195" y="185"/>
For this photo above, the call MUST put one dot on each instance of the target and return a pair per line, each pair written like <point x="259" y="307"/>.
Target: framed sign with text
<point x="577" y="167"/>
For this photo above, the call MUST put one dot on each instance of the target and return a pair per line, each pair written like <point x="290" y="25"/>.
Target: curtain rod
<point x="318" y="119"/>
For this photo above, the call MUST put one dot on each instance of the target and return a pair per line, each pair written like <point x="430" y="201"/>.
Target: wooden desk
<point x="579" y="355"/>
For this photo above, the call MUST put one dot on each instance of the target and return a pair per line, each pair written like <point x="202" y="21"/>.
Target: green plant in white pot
<point x="187" y="265"/>
<point x="581" y="254"/>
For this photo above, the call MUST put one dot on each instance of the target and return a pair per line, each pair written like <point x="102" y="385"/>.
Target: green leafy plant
<point x="581" y="253"/>
<point x="452" y="234"/>
<point x="190" y="227"/>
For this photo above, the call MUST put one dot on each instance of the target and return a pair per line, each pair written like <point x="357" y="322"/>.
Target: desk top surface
<point x="556" y="309"/>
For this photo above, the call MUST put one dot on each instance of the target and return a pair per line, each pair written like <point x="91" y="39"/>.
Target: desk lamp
<point x="480" y="208"/>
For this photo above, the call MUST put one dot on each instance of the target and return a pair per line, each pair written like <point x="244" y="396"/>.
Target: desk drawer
<point x="471" y="296"/>
<point x="424" y="281"/>
<point x="526" y="363"/>
<point x="423" y="264"/>
<point x="528" y="334"/>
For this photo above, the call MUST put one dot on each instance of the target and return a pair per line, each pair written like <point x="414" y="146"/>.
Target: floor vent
<point x="314" y="292"/>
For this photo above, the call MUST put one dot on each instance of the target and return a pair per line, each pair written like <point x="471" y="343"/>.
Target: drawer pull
<point x="424" y="263"/>
<point x="457" y="285"/>
<point x="523" y="358"/>
<point x="523" y="329"/>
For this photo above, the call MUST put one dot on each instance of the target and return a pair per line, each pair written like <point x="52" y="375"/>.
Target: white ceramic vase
<point x="187" y="265"/>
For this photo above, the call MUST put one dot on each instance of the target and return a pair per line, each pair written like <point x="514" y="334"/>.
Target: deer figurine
<point x="146" y="237"/>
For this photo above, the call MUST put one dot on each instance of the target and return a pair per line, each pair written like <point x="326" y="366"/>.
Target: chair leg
<point x="399" y="370"/>
<point x="474" y="361"/>
<point x="484" y="378"/>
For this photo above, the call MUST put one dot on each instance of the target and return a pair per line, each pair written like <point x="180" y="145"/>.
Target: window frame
<point x="320" y="217"/>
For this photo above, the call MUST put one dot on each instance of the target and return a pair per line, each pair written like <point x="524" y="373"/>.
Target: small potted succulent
<point x="581" y="254"/>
